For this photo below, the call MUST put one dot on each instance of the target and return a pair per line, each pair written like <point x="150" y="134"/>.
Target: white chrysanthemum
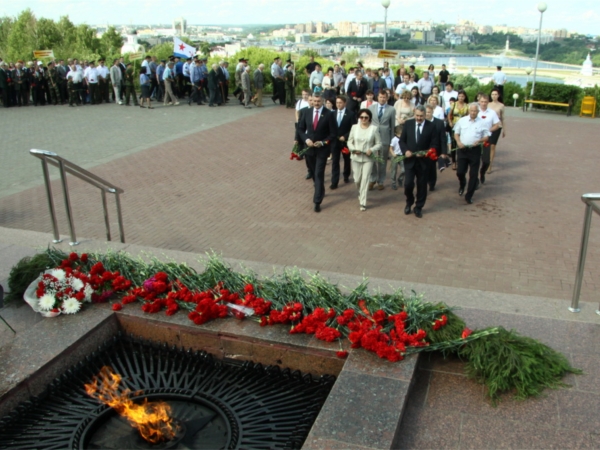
<point x="76" y="283"/>
<point x="59" y="274"/>
<point x="88" y="293"/>
<point x="71" y="306"/>
<point x="46" y="302"/>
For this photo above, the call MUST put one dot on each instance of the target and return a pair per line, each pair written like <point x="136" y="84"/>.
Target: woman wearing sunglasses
<point x="363" y="143"/>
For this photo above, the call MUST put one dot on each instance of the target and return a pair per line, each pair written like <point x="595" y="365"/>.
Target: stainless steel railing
<point x="65" y="167"/>
<point x="589" y="200"/>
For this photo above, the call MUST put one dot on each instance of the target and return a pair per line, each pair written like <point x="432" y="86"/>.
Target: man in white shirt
<point x="406" y="85"/>
<point x="499" y="79"/>
<point x="492" y="123"/>
<point x="470" y="133"/>
<point x="91" y="79"/>
<point x="351" y="76"/>
<point x="103" y="77"/>
<point x="425" y="85"/>
<point x="74" y="80"/>
<point x="316" y="78"/>
<point x="448" y="93"/>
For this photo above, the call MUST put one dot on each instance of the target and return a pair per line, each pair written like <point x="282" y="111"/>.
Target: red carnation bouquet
<point x="297" y="152"/>
<point x="429" y="154"/>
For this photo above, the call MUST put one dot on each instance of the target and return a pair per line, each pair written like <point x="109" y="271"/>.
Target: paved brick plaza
<point x="197" y="179"/>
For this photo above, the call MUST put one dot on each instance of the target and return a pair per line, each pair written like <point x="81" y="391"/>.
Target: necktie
<point x="418" y="132"/>
<point x="316" y="120"/>
<point x="339" y="118"/>
<point x="380" y="112"/>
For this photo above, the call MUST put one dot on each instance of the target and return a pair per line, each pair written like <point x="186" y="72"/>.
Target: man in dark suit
<point x="317" y="130"/>
<point x="441" y="150"/>
<point x="357" y="89"/>
<point x="418" y="134"/>
<point x="344" y="120"/>
<point x="4" y="84"/>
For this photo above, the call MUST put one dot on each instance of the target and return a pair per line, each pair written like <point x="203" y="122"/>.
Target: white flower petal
<point x="46" y="302"/>
<point x="71" y="306"/>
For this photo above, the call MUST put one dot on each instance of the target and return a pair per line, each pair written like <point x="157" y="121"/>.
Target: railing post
<point x="120" y="217"/>
<point x="106" y="221"/>
<point x="57" y="238"/>
<point x="587" y="220"/>
<point x="63" y="178"/>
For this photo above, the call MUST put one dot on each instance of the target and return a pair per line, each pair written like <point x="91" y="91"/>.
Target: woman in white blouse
<point x="438" y="111"/>
<point x="364" y="141"/>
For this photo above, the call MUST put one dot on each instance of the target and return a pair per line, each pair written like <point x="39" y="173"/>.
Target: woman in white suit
<point x="364" y="142"/>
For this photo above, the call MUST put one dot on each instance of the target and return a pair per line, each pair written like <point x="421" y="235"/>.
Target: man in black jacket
<point x="317" y="130"/>
<point x="344" y="120"/>
<point x="418" y="135"/>
<point x="441" y="150"/>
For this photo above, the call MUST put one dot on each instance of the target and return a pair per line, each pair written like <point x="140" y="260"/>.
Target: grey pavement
<point x="93" y="135"/>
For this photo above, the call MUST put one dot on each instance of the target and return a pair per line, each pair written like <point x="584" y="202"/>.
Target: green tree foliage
<point x="111" y="41"/>
<point x="6" y="24"/>
<point x="22" y="37"/>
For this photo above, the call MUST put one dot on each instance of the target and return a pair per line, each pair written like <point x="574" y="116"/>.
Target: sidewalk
<point x="445" y="410"/>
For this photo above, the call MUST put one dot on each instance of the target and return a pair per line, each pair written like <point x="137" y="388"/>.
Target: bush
<point x="554" y="92"/>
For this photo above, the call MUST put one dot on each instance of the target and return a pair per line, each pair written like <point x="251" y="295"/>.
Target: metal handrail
<point x="589" y="200"/>
<point x="66" y="166"/>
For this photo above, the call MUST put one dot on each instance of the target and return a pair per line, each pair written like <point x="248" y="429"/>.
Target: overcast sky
<point x="582" y="16"/>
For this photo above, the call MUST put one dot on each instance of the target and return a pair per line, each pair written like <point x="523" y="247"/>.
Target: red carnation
<point x="466" y="333"/>
<point x="73" y="256"/>
<point x="342" y="354"/>
<point x="117" y="307"/>
<point x="84" y="257"/>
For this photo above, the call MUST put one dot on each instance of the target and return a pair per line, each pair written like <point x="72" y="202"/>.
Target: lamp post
<point x="515" y="98"/>
<point x="541" y="8"/>
<point x="528" y="72"/>
<point x="385" y="4"/>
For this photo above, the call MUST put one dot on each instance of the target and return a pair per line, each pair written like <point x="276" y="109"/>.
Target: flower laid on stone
<point x="64" y="289"/>
<point x="389" y="325"/>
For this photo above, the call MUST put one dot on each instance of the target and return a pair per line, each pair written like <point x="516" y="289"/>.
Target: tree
<point x="21" y="39"/>
<point x="111" y="41"/>
<point x="48" y="36"/>
<point x="205" y="48"/>
<point x="6" y="24"/>
<point x="350" y="57"/>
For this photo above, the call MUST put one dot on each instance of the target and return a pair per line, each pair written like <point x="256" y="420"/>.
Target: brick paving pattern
<point x="229" y="186"/>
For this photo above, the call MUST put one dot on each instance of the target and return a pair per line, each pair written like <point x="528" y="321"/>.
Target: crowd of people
<point x="76" y="83"/>
<point x="422" y="125"/>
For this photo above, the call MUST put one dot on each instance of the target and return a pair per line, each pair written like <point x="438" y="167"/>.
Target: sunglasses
<point x="364" y="117"/>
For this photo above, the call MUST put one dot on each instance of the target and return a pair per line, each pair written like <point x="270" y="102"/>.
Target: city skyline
<point x="581" y="17"/>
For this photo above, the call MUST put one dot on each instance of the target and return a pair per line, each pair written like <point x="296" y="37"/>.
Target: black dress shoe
<point x="333" y="186"/>
<point x="482" y="178"/>
<point x="418" y="213"/>
<point x="469" y="201"/>
<point x="309" y="176"/>
<point x="431" y="188"/>
<point x="461" y="191"/>
<point x="407" y="210"/>
<point x="477" y="186"/>
<point x="317" y="207"/>
<point x="346" y="180"/>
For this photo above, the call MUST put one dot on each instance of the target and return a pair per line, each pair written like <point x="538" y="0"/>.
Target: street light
<point x="541" y="8"/>
<point x="385" y="4"/>
<point x="515" y="98"/>
<point x="528" y="71"/>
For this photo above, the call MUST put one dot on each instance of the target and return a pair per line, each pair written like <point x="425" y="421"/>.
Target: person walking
<point x="116" y="77"/>
<point x="169" y="79"/>
<point x="364" y="142"/>
<point x="259" y="84"/>
<point x="498" y="107"/>
<point x="384" y="117"/>
<point x="246" y="87"/>
<point x="146" y="87"/>
<point x="129" y="85"/>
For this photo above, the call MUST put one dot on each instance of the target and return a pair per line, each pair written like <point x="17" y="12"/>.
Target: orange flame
<point x="151" y="419"/>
